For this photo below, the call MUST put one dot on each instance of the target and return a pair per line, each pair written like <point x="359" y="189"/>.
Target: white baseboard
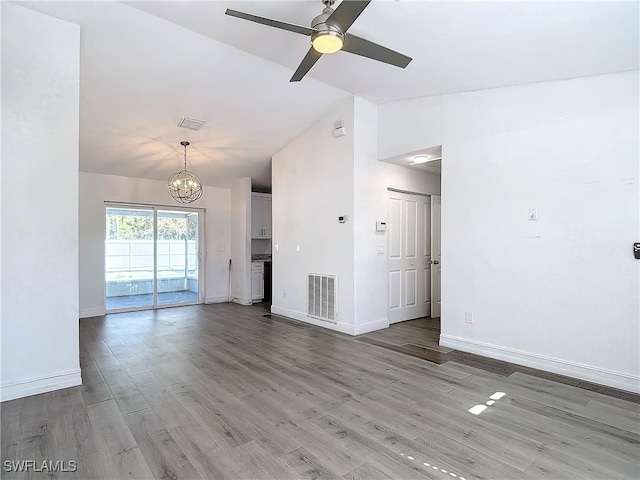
<point x="218" y="299"/>
<point x="34" y="386"/>
<point x="92" y="312"/>
<point x="581" y="371"/>
<point x="338" y="327"/>
<point x="371" y="326"/>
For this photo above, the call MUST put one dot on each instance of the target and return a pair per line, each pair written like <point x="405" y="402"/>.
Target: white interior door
<point x="435" y="256"/>
<point x="409" y="256"/>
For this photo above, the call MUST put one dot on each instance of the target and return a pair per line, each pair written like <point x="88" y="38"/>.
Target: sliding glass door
<point x="129" y="253"/>
<point x="151" y="257"/>
<point x="177" y="267"/>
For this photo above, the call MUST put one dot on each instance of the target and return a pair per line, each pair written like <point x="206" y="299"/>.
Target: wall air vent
<point x="321" y="299"/>
<point x="191" y="123"/>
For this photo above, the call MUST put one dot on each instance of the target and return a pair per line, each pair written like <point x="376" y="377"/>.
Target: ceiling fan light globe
<point x="327" y="42"/>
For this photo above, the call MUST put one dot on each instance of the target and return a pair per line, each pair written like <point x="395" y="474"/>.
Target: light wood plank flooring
<point x="225" y="391"/>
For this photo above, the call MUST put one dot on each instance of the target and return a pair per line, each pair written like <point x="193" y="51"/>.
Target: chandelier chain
<point x="185" y="154"/>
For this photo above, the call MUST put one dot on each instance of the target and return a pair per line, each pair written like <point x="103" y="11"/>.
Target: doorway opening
<point x="152" y="257"/>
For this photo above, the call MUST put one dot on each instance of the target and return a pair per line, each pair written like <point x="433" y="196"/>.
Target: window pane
<point x="129" y="258"/>
<point x="177" y="257"/>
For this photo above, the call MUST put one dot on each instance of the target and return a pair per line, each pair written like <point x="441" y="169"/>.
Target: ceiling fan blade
<point x="347" y="12"/>
<point x="271" y="23"/>
<point x="308" y="61"/>
<point x="365" y="48"/>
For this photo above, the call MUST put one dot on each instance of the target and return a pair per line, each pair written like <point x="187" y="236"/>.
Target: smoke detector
<point x="191" y="123"/>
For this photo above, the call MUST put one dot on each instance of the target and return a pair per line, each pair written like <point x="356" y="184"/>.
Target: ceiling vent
<point x="191" y="123"/>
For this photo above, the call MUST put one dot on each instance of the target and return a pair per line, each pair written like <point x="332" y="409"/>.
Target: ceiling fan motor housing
<point x="321" y="26"/>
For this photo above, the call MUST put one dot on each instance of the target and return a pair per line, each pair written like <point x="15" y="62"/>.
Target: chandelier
<point x="185" y="186"/>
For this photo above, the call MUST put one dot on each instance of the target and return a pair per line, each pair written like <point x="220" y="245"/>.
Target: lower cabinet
<point x="257" y="281"/>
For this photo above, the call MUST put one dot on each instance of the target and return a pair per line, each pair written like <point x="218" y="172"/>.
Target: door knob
<point x="436" y="262"/>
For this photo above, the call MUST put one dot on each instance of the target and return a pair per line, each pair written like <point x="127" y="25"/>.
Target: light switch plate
<point x="468" y="317"/>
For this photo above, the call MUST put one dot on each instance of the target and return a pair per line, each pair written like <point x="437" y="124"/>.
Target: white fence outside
<point x="126" y="258"/>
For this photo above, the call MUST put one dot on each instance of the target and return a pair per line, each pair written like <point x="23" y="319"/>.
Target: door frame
<point x="201" y="253"/>
<point x="436" y="255"/>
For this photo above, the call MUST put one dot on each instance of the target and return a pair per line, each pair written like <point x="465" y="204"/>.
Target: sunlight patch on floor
<point x="426" y="464"/>
<point x="478" y="409"/>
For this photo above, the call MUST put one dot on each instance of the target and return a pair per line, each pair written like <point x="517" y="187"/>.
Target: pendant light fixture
<point x="185" y="186"/>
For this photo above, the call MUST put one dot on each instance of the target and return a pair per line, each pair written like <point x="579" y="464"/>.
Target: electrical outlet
<point x="468" y="317"/>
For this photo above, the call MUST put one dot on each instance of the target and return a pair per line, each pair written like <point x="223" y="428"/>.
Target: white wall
<point x="372" y="178"/>
<point x="312" y="184"/>
<point x="241" y="241"/>
<point x="96" y="189"/>
<point x="316" y="178"/>
<point x="40" y="112"/>
<point x="560" y="293"/>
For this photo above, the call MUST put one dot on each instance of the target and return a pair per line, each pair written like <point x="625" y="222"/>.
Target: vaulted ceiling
<point x="144" y="65"/>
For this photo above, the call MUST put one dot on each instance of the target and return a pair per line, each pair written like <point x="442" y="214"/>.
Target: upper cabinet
<point x="260" y="215"/>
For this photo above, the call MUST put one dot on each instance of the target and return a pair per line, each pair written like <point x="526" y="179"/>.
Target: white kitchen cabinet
<point x="257" y="281"/>
<point x="260" y="215"/>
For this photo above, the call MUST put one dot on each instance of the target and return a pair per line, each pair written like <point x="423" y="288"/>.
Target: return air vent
<point x="191" y="123"/>
<point x="321" y="298"/>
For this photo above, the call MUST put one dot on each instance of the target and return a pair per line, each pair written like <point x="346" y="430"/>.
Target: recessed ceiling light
<point x="421" y="159"/>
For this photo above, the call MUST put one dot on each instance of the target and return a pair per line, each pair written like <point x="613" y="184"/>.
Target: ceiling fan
<point x="328" y="34"/>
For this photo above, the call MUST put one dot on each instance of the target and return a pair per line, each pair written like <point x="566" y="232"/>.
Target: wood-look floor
<point x="423" y="343"/>
<point x="223" y="391"/>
